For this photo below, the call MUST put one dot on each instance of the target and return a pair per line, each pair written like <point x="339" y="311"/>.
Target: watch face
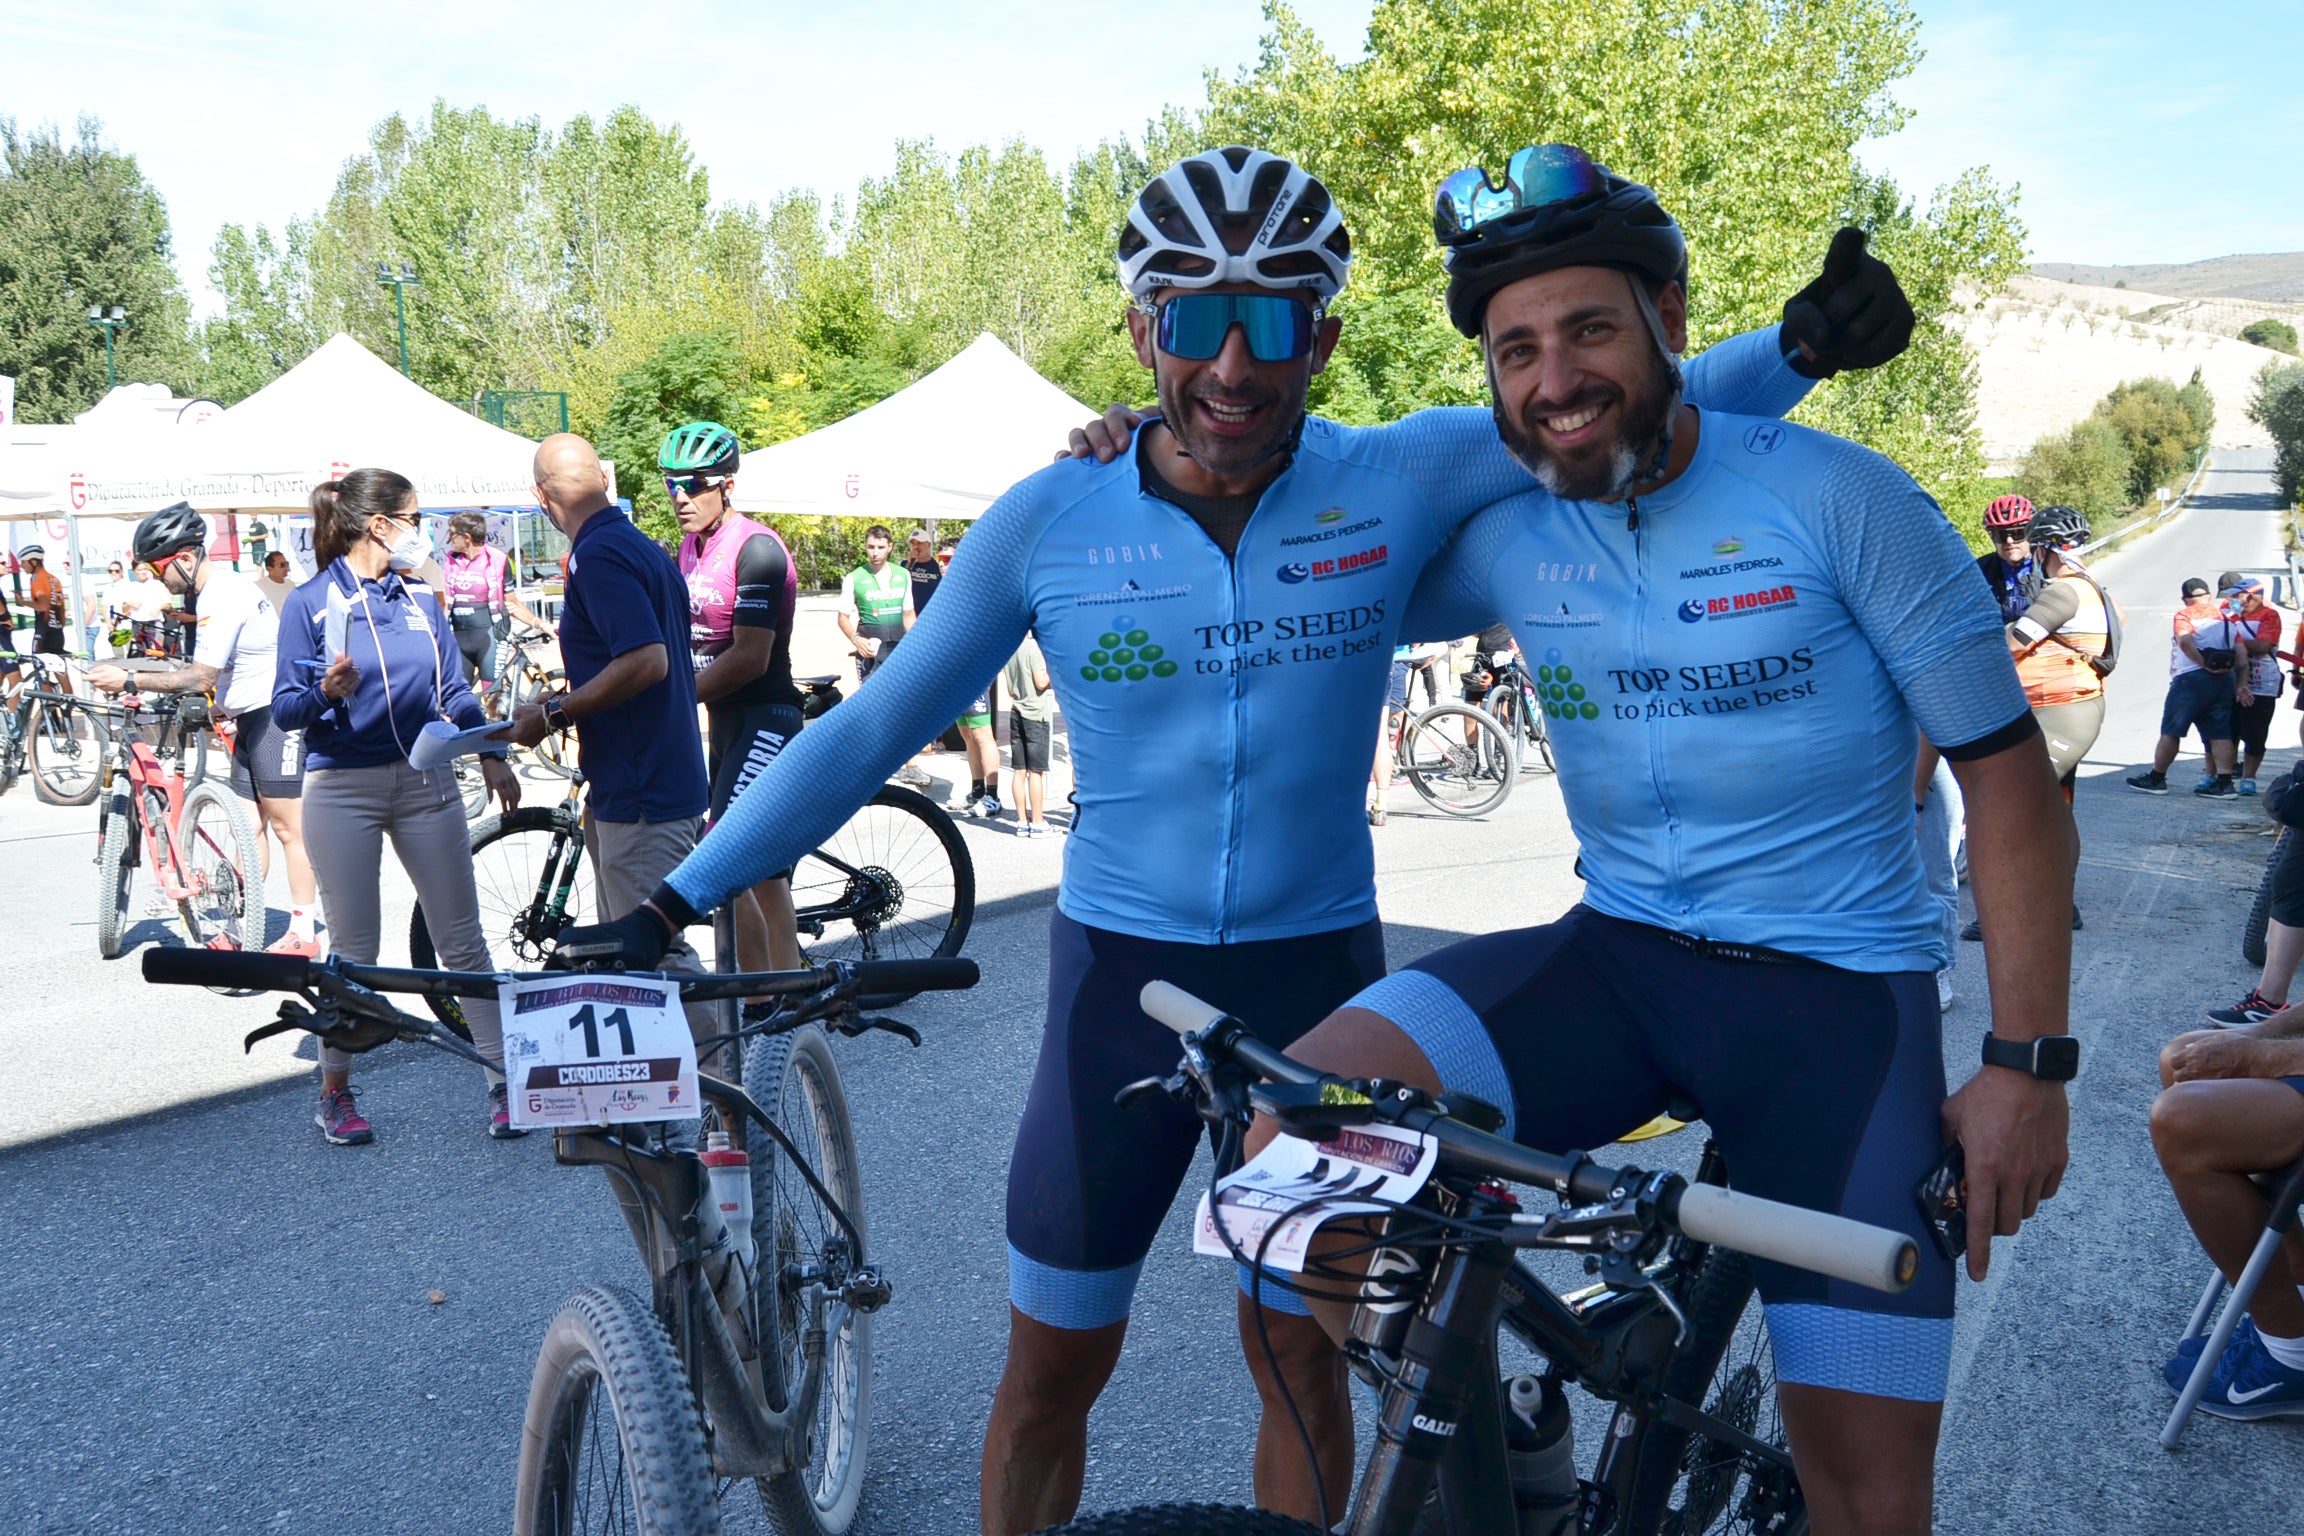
<point x="2059" y="1058"/>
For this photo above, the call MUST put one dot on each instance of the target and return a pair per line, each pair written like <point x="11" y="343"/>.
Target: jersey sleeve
<point x="1746" y="375"/>
<point x="220" y="627"/>
<point x="1908" y="581"/>
<point x="848" y="595"/>
<point x="1452" y="597"/>
<point x="814" y="785"/>
<point x="762" y="569"/>
<point x="2057" y="603"/>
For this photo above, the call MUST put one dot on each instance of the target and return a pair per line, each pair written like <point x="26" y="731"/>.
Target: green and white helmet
<point x="700" y="448"/>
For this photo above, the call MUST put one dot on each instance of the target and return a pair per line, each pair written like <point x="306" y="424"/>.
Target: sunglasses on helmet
<point x="1536" y="177"/>
<point x="692" y="486"/>
<point x="1193" y="326"/>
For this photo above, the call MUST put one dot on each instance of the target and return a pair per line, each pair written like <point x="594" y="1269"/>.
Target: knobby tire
<point x="67" y="746"/>
<point x="2252" y="936"/>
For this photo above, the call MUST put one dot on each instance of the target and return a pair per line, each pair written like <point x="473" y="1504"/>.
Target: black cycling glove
<point x="1854" y="315"/>
<point x="639" y="938"/>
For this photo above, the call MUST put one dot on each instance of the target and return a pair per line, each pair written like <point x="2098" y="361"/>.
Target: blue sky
<point x="2133" y="141"/>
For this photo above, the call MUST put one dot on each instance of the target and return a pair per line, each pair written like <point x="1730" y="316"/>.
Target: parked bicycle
<point x="1521" y="705"/>
<point x="1457" y="756"/>
<point x="188" y="832"/>
<point x="51" y="733"/>
<point x="894" y="883"/>
<point x="1671" y="1334"/>
<point x="749" y="1356"/>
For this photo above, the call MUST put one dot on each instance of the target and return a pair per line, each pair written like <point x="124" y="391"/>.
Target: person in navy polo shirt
<point x="623" y="626"/>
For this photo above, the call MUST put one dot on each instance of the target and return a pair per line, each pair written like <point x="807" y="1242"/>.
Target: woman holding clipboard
<point x="367" y="660"/>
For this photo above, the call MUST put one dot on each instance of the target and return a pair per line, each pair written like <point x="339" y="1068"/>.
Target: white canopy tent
<point x="945" y="447"/>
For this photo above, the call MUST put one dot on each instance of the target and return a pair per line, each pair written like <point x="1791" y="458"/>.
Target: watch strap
<point x="2050" y="1058"/>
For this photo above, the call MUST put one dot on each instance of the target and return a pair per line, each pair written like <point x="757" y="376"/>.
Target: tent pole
<point x="72" y="542"/>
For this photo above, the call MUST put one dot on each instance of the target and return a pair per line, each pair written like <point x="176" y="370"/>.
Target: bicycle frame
<point x="154" y="770"/>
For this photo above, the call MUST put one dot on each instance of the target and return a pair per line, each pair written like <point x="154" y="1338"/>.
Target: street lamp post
<point x="399" y="282"/>
<point x="108" y="322"/>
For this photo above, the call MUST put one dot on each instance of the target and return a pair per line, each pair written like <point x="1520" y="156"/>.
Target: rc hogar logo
<point x="1741" y="605"/>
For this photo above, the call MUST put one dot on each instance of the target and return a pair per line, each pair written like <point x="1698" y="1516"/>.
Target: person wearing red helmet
<point x="2008" y="524"/>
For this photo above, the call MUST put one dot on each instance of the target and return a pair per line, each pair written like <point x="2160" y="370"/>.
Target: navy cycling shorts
<point x="1091" y="1182"/>
<point x="1823" y="1087"/>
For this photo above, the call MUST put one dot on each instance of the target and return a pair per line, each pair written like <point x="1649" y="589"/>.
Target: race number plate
<point x="1359" y="1164"/>
<point x="597" y="1050"/>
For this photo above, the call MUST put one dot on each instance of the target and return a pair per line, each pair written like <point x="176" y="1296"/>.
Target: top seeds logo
<point x="1131" y="656"/>
<point x="1562" y="696"/>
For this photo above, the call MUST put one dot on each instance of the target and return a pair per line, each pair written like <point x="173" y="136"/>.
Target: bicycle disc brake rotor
<point x="1711" y="1467"/>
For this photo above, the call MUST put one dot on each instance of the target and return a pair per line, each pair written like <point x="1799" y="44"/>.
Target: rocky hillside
<point x="2049" y="350"/>
<point x="2279" y="277"/>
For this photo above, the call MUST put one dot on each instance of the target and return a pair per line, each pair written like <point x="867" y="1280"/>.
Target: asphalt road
<point x="217" y="1323"/>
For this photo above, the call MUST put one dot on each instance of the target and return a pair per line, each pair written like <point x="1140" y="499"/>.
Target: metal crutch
<point x="2287" y="1191"/>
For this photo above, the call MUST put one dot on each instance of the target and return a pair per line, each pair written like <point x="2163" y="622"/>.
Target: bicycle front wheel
<point x="1458" y="758"/>
<point x="805" y="1258"/>
<point x="895" y="883"/>
<point x="527" y="871"/>
<point x="223" y="879"/>
<point x="67" y="744"/>
<point x="2253" y="932"/>
<point x="1691" y="1485"/>
<point x="612" y="1442"/>
<point x="115" y="876"/>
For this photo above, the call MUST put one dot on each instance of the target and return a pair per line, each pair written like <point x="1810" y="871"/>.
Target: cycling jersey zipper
<point x="1660" y="726"/>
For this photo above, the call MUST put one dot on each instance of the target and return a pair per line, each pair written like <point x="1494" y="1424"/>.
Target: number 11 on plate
<point x="597" y="1050"/>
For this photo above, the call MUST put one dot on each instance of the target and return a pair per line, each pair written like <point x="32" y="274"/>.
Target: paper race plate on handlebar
<point x="587" y="1050"/>
<point x="1362" y="1163"/>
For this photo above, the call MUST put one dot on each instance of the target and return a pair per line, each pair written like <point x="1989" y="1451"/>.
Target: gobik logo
<point x="1130" y="657"/>
<point x="1563" y="696"/>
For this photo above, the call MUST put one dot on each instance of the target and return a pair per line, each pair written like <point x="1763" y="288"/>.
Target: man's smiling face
<point x="1580" y="387"/>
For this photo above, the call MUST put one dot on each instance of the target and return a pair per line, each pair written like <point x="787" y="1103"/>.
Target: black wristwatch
<point x="556" y="713"/>
<point x="2050" y="1058"/>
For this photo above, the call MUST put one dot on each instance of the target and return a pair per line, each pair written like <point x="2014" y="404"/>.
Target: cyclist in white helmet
<point x="1218" y="612"/>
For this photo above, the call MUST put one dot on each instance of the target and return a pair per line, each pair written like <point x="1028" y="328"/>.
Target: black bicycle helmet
<point x="1495" y="239"/>
<point x="165" y="532"/>
<point x="2058" y="527"/>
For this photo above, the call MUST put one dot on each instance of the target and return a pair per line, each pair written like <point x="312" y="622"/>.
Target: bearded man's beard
<point x="1603" y="471"/>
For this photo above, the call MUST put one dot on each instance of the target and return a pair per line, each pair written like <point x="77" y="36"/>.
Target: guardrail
<point x="2175" y="505"/>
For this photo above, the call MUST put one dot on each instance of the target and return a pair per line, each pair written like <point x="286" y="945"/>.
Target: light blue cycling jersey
<point x="1732" y="679"/>
<point x="1221" y="712"/>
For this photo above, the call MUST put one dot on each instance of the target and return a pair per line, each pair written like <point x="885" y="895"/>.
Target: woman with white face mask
<point x="366" y="661"/>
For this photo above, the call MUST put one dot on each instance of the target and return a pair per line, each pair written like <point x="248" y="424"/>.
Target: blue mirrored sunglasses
<point x="1536" y="177"/>
<point x="1193" y="325"/>
<point x="692" y="486"/>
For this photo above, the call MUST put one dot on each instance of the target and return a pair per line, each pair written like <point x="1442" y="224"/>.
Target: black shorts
<point x="478" y="643"/>
<point x="745" y="738"/>
<point x="1824" y="1088"/>
<point x="1090" y="1182"/>
<point x="2252" y="723"/>
<point x="47" y="639"/>
<point x="1030" y="738"/>
<point x="267" y="762"/>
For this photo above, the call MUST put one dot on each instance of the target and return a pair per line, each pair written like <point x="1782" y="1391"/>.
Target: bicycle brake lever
<point x="852" y="1027"/>
<point x="1174" y="1086"/>
<point x="293" y="1015"/>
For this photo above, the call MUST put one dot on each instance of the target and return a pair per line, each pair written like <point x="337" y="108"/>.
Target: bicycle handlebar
<point x="257" y="971"/>
<point x="1787" y="1234"/>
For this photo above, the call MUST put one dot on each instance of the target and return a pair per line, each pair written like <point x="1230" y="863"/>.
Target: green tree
<point x="2087" y="466"/>
<point x="2160" y="430"/>
<point x="690" y="377"/>
<point x="2278" y="407"/>
<point x="1744" y="115"/>
<point x="79" y="225"/>
<point x="2279" y="335"/>
<point x="265" y="327"/>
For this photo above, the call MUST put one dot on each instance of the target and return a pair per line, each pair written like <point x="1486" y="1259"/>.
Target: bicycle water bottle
<point x="730" y="1170"/>
<point x="1541" y="1446"/>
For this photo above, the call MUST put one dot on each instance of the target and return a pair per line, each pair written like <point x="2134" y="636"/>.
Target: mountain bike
<point x="2253" y="933"/>
<point x="1671" y="1333"/>
<point x="1522" y="708"/>
<point x="1457" y="756"/>
<point x="749" y="1355"/>
<point x="895" y="883"/>
<point x="53" y="734"/>
<point x="189" y="833"/>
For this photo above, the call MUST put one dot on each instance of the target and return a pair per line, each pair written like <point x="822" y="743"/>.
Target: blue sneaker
<point x="2250" y="1384"/>
<point x="2179" y="1370"/>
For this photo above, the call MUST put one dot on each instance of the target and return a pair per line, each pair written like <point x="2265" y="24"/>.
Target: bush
<point x="2087" y="467"/>
<point x="2278" y="407"/>
<point x="2161" y="429"/>
<point x="692" y="376"/>
<point x="2276" y="334"/>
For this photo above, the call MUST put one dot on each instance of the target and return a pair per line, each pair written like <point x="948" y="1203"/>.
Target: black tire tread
<point x="2252" y="935"/>
<point x="247" y="863"/>
<point x="667" y="1463"/>
<point x="1187" y="1520"/>
<point x="115" y="877"/>
<point x="100" y="743"/>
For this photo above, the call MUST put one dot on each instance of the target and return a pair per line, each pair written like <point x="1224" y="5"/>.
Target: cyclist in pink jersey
<point x="742" y="590"/>
<point x="481" y="602"/>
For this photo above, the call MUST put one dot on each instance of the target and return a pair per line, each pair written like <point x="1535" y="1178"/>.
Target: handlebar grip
<point x="1788" y="1234"/>
<point x="243" y="970"/>
<point x="1171" y="1005"/>
<point x="915" y="975"/>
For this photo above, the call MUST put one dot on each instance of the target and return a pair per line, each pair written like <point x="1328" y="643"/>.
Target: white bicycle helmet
<point x="1234" y="215"/>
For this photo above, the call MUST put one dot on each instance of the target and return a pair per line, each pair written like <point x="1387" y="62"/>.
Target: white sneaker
<point x="1944" y="997"/>
<point x="912" y="776"/>
<point x="988" y="808"/>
